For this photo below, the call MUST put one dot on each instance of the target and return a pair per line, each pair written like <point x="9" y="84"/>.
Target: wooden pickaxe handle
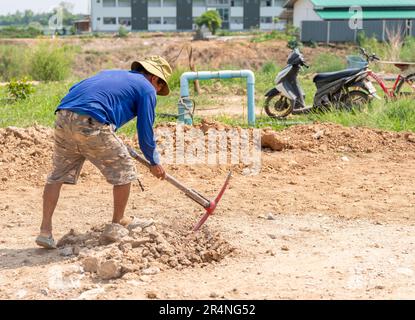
<point x="205" y="203"/>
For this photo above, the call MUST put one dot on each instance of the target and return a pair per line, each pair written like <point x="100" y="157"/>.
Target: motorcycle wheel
<point x="354" y="99"/>
<point x="277" y="107"/>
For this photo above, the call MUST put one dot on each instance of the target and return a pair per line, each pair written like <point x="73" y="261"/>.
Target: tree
<point x="210" y="19"/>
<point x="28" y="16"/>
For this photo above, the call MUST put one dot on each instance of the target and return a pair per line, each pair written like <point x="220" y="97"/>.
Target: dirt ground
<point x="331" y="215"/>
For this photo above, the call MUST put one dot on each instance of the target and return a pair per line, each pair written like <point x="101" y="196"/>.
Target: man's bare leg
<point x="50" y="199"/>
<point x="121" y="194"/>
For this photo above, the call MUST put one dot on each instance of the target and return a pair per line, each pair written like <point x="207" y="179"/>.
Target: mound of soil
<point x="26" y="153"/>
<point x="314" y="137"/>
<point x="112" y="251"/>
<point x="334" y="137"/>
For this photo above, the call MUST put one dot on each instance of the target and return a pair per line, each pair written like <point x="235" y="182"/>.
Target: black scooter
<point x="337" y="90"/>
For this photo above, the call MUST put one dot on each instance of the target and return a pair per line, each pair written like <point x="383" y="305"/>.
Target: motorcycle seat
<point x="331" y="76"/>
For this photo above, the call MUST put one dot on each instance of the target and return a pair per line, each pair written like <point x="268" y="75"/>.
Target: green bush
<point x="408" y="50"/>
<point x="273" y="35"/>
<point x="397" y="116"/>
<point x="174" y="80"/>
<point x="269" y="67"/>
<point x="20" y="89"/>
<point x="13" y="62"/>
<point x="51" y="62"/>
<point x="210" y="19"/>
<point x="388" y="51"/>
<point x="225" y="33"/>
<point x="327" y="62"/>
<point x="122" y="32"/>
<point x="15" y="32"/>
<point x="294" y="43"/>
<point x="292" y="31"/>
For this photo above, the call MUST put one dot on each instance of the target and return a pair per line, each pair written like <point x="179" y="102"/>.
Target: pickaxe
<point x="209" y="205"/>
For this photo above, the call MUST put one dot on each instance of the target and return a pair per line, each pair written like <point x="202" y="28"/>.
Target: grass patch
<point x="51" y="62"/>
<point x="273" y="35"/>
<point x="395" y="116"/>
<point x="327" y="62"/>
<point x="39" y="107"/>
<point x="14" y="62"/>
<point x="20" y="32"/>
<point x="48" y="61"/>
<point x="398" y="49"/>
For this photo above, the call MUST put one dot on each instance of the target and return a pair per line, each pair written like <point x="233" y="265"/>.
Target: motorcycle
<point x="343" y="89"/>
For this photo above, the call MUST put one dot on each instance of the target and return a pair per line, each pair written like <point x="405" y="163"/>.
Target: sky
<point x="11" y="6"/>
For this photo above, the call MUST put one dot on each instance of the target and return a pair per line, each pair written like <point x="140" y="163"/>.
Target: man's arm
<point x="145" y="121"/>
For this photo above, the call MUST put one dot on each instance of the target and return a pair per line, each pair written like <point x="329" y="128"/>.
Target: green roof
<point x="363" y="3"/>
<point x="367" y="14"/>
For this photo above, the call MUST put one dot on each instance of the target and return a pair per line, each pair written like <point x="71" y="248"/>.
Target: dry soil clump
<point x="112" y="251"/>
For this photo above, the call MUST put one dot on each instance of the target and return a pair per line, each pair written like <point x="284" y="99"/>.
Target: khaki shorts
<point x="80" y="137"/>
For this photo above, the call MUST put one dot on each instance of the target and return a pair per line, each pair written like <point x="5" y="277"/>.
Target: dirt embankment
<point x="106" y="53"/>
<point x="26" y="153"/>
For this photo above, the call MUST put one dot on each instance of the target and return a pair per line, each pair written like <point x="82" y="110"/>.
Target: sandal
<point x="46" y="242"/>
<point x="139" y="222"/>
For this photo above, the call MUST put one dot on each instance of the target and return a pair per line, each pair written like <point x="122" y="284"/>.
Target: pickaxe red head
<point x="212" y="204"/>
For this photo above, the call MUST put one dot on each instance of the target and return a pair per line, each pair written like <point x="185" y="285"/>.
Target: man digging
<point x="85" y="126"/>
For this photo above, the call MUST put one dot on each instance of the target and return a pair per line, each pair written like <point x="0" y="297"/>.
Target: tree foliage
<point x="211" y="19"/>
<point x="28" y="16"/>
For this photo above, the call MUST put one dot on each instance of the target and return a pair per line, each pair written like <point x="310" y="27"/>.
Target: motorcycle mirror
<point x="363" y="51"/>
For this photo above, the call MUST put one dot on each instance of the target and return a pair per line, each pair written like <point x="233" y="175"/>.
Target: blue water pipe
<point x="185" y="105"/>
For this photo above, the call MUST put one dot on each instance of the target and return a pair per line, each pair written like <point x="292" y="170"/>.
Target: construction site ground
<point x="331" y="215"/>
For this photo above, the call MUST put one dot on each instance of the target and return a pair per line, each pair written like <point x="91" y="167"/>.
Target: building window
<point x="224" y="14"/>
<point x="169" y="20"/>
<point x="237" y="3"/>
<point x="124" y="3"/>
<point x="199" y="3"/>
<point x="109" y="3"/>
<point x="110" y="20"/>
<point x="154" y="20"/>
<point x="266" y="20"/>
<point x="217" y="2"/>
<point x="169" y="3"/>
<point x="237" y="20"/>
<point x="266" y="3"/>
<point x="124" y="21"/>
<point x="154" y="3"/>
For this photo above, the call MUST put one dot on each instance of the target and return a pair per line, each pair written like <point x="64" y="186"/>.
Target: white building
<point x="343" y="20"/>
<point x="171" y="15"/>
<point x="297" y="11"/>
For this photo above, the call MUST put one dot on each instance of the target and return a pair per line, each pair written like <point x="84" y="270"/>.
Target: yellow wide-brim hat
<point x="157" y="66"/>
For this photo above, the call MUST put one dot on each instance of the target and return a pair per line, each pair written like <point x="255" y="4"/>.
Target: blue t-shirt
<point x="115" y="97"/>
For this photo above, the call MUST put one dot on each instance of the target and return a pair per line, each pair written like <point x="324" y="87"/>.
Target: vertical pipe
<point x="204" y="75"/>
<point x="250" y="90"/>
